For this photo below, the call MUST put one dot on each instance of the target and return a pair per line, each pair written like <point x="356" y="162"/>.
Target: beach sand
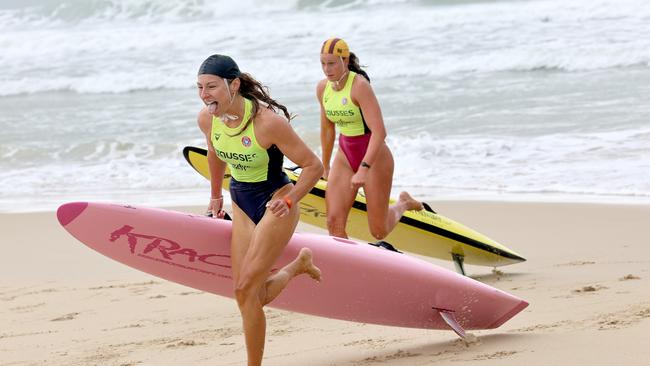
<point x="587" y="279"/>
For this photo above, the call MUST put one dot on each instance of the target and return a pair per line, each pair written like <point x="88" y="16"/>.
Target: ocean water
<point x="516" y="100"/>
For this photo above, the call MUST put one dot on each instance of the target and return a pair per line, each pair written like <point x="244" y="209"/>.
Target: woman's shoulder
<point x="270" y="126"/>
<point x="360" y="86"/>
<point x="268" y="118"/>
<point x="320" y="87"/>
<point x="204" y="120"/>
<point x="360" y="81"/>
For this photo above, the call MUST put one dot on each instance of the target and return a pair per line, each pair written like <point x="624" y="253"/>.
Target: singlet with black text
<point x="341" y="111"/>
<point x="248" y="161"/>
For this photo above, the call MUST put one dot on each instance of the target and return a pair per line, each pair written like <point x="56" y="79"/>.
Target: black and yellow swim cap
<point x="335" y="46"/>
<point x="220" y="65"/>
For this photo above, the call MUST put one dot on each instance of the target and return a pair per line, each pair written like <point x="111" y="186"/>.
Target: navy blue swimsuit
<point x="253" y="197"/>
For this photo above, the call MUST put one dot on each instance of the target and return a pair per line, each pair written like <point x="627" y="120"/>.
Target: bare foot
<point x="307" y="264"/>
<point x="411" y="203"/>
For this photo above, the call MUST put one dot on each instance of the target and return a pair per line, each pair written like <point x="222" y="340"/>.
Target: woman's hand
<point x="215" y="208"/>
<point x="358" y="180"/>
<point x="279" y="207"/>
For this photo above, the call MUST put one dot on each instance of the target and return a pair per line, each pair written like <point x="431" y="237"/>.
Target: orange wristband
<point x="288" y="201"/>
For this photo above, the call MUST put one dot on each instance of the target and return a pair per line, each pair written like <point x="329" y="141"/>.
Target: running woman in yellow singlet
<point x="347" y="102"/>
<point x="244" y="131"/>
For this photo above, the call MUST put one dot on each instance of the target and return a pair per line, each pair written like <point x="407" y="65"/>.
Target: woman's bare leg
<point x="268" y="240"/>
<point x="382" y="218"/>
<point x="339" y="196"/>
<point x="242" y="232"/>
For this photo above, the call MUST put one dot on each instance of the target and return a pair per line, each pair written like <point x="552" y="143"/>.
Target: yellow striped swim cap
<point x="336" y="46"/>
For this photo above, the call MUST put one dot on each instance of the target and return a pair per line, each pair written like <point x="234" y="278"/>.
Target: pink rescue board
<point x="360" y="283"/>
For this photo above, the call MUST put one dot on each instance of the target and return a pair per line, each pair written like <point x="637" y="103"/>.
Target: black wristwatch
<point x="365" y="165"/>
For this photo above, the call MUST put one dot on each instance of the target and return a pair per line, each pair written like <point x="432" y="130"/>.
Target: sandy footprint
<point x="575" y="263"/>
<point x="69" y="316"/>
<point x="285" y="330"/>
<point x="129" y="326"/>
<point x="495" y="356"/>
<point x="217" y="334"/>
<point x="549" y="326"/>
<point x="629" y="277"/>
<point x="589" y="289"/>
<point x="183" y="344"/>
<point x="470" y="340"/>
<point x="186" y="293"/>
<point x="27" y="308"/>
<point x="14" y="335"/>
<point x="605" y="321"/>
<point x="126" y="285"/>
<point x="399" y="354"/>
<point x="369" y="343"/>
<point x="29" y="293"/>
<point x="622" y="319"/>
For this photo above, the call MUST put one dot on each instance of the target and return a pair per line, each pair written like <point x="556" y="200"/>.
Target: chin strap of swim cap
<point x="337" y="82"/>
<point x="228" y="117"/>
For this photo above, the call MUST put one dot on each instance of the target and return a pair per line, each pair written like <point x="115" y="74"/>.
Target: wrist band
<point x="365" y="165"/>
<point x="218" y="198"/>
<point x="288" y="201"/>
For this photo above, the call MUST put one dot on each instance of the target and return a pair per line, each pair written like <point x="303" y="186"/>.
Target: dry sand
<point x="587" y="279"/>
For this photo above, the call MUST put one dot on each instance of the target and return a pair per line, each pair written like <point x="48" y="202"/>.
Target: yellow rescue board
<point x="421" y="232"/>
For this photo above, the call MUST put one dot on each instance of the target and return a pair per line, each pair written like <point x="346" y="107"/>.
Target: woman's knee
<point x="378" y="231"/>
<point x="244" y="290"/>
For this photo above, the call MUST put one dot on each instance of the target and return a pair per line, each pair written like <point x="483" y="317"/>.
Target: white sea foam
<point x="126" y="45"/>
<point x="594" y="164"/>
<point x="456" y="166"/>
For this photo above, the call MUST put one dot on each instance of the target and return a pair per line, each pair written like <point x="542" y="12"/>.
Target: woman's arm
<point x="364" y="97"/>
<point x="216" y="166"/>
<point x="274" y="130"/>
<point x="327" y="131"/>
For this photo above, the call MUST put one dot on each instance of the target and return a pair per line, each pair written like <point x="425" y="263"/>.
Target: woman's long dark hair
<point x="353" y="65"/>
<point x="252" y="89"/>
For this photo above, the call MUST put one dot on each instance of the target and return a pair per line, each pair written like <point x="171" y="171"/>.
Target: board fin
<point x="459" y="263"/>
<point x="386" y="245"/>
<point x="428" y="208"/>
<point x="450" y="319"/>
<point x="225" y="216"/>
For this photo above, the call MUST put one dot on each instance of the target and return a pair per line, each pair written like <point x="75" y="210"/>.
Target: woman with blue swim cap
<point x="244" y="131"/>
